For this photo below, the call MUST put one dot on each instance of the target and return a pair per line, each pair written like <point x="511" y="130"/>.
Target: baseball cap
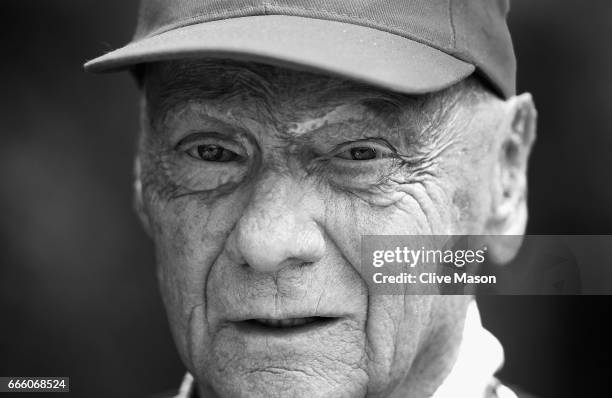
<point x="407" y="46"/>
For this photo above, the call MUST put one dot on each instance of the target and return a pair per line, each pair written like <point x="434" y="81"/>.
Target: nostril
<point x="274" y="268"/>
<point x="294" y="262"/>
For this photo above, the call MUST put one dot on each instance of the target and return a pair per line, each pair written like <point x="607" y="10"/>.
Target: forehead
<point x="223" y="81"/>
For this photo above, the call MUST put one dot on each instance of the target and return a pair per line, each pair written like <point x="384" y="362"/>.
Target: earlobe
<point x="509" y="197"/>
<point x="138" y="199"/>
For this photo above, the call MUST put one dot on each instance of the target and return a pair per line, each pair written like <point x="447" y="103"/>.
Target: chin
<point x="277" y="382"/>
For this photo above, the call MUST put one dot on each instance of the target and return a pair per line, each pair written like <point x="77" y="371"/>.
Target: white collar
<point x="480" y="356"/>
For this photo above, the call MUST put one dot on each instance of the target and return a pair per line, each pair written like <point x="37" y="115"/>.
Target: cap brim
<point x="346" y="50"/>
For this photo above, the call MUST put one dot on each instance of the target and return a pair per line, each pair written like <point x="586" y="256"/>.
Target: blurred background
<point x="78" y="295"/>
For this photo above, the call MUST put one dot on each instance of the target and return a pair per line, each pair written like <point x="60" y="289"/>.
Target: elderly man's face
<point x="257" y="184"/>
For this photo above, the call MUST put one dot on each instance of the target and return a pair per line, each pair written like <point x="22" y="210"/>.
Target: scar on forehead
<point x="340" y="114"/>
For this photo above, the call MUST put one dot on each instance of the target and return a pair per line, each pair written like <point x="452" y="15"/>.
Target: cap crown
<point x="474" y="31"/>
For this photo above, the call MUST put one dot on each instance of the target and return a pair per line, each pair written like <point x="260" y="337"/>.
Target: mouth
<point x="287" y="324"/>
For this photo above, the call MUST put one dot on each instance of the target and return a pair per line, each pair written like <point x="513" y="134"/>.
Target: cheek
<point x="409" y="209"/>
<point x="397" y="326"/>
<point x="471" y="204"/>
<point x="188" y="235"/>
<point x="471" y="194"/>
<point x="395" y="323"/>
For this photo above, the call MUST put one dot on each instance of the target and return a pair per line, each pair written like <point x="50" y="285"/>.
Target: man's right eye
<point x="211" y="153"/>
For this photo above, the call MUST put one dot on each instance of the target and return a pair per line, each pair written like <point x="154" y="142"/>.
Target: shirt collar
<point x="187" y="389"/>
<point x="480" y="356"/>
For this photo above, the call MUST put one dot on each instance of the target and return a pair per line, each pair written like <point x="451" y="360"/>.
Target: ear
<point x="138" y="200"/>
<point x="509" y="193"/>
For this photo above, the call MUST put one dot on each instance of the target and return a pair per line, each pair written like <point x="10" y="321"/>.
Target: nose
<point x="277" y="229"/>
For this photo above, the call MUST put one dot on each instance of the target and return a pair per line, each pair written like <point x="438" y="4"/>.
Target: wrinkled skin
<point x="256" y="184"/>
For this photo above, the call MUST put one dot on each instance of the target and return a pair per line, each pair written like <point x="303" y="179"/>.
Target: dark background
<point x="78" y="296"/>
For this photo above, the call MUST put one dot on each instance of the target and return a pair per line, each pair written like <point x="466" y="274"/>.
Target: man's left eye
<point x="360" y="153"/>
<point x="212" y="153"/>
